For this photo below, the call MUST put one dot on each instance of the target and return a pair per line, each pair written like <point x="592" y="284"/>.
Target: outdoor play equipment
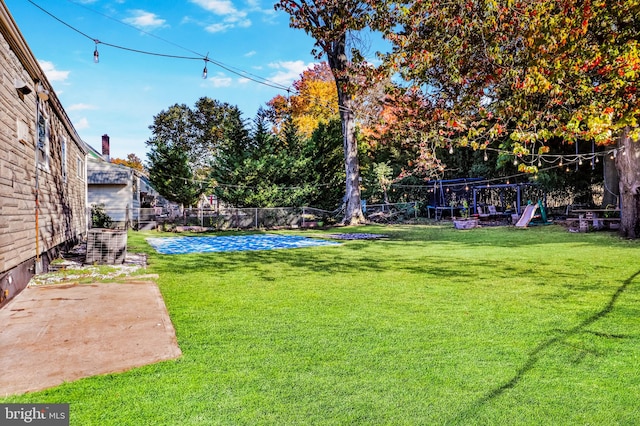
<point x="529" y="215"/>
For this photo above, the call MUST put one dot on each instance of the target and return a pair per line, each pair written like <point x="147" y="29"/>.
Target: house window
<point x="80" y="166"/>
<point x="63" y="157"/>
<point x="42" y="150"/>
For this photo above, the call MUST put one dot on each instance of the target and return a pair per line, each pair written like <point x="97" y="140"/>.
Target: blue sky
<point x="120" y="95"/>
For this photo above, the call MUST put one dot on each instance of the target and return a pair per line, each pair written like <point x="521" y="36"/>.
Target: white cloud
<point x="52" y="73"/>
<point x="250" y="54"/>
<point x="288" y="71"/>
<point x="232" y="17"/>
<point x="269" y="14"/>
<point x="80" y="107"/>
<point x="244" y="23"/>
<point x="219" y="80"/>
<point x="219" y="7"/>
<point x="217" y="28"/>
<point x="144" y="19"/>
<point x="81" y="124"/>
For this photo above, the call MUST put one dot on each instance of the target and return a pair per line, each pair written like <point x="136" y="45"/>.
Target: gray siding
<point x="42" y="197"/>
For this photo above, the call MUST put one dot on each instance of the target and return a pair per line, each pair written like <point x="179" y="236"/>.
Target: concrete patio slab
<point x="53" y="334"/>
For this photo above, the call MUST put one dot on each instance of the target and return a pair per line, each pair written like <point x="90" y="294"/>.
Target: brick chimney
<point x="105" y="147"/>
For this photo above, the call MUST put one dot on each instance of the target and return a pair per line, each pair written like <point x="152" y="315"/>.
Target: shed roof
<point x="108" y="177"/>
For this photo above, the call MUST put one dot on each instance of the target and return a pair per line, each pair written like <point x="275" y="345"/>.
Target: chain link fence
<point x="301" y="217"/>
<point x="250" y="218"/>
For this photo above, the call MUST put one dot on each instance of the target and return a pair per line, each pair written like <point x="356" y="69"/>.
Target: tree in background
<point x="262" y="169"/>
<point x="172" y="175"/>
<point x="174" y="128"/>
<point x="326" y="169"/>
<point x="132" y="161"/>
<point x="185" y="146"/>
<point x="198" y="131"/>
<point x="530" y="75"/>
<point x="398" y="136"/>
<point x="383" y="174"/>
<point x="173" y="162"/>
<point x="217" y="125"/>
<point x="314" y="101"/>
<point x="329" y="22"/>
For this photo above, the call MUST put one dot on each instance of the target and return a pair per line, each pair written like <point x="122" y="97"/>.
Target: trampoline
<point x="186" y="245"/>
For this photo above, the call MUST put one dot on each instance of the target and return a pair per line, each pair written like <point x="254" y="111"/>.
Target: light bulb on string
<point x="486" y="157"/>
<point x="96" y="54"/>
<point x="451" y="149"/>
<point x="205" y="72"/>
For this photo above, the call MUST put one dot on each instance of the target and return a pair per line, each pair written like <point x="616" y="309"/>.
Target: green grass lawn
<point x="429" y="326"/>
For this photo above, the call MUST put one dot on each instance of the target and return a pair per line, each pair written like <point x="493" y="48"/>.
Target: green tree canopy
<point x="185" y="145"/>
<point x="263" y="170"/>
<point x="326" y="168"/>
<point x="171" y="174"/>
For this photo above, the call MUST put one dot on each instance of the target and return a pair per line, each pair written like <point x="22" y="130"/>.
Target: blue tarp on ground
<point x="184" y="245"/>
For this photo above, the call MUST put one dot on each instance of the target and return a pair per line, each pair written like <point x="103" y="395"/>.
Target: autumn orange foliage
<point x="314" y="101"/>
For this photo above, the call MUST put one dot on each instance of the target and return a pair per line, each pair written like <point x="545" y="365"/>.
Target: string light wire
<point x="231" y="69"/>
<point x="200" y="57"/>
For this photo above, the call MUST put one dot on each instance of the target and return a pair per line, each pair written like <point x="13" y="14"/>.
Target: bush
<point x="99" y="217"/>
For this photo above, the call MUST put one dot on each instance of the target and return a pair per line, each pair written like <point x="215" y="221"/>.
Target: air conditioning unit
<point x="106" y="246"/>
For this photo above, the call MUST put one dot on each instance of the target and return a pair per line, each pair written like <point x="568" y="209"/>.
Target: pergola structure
<point x="447" y="196"/>
<point x="501" y="188"/>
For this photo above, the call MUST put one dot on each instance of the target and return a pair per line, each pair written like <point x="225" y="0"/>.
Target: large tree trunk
<point x="611" y="195"/>
<point x="628" y="165"/>
<point x="353" y="207"/>
<point x="338" y="62"/>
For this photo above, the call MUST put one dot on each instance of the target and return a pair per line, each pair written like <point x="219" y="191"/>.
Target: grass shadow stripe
<point x="539" y="350"/>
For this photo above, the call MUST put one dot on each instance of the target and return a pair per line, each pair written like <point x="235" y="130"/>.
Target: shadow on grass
<point x="371" y="256"/>
<point x="352" y="256"/>
<point x="537" y="352"/>
<point x="509" y="237"/>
